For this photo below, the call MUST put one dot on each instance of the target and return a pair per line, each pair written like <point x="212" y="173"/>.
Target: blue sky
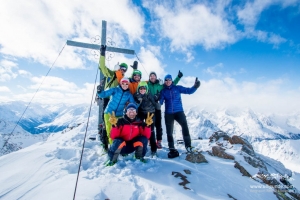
<point x="245" y="53"/>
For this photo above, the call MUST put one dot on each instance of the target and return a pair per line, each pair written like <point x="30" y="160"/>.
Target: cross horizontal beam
<point x="97" y="47"/>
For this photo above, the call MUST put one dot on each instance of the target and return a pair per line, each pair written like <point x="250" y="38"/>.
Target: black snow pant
<point x="181" y="119"/>
<point x="143" y="117"/>
<point x="102" y="130"/>
<point x="159" y="131"/>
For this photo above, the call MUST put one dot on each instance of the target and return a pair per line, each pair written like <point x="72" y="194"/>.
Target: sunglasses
<point x="136" y="75"/>
<point x="142" y="88"/>
<point x="131" y="109"/>
<point x="168" y="79"/>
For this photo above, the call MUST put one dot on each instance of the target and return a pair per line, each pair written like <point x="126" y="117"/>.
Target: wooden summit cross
<point x="97" y="47"/>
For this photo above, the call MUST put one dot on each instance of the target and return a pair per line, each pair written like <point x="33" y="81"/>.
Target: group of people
<point x="132" y="111"/>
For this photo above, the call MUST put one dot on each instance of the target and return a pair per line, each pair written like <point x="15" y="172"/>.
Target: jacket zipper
<point x="120" y="100"/>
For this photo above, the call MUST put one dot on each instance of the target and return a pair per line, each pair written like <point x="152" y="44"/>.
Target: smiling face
<point x="168" y="82"/>
<point x="131" y="113"/>
<point x="142" y="90"/>
<point x="124" y="86"/>
<point x="153" y="78"/>
<point x="136" y="77"/>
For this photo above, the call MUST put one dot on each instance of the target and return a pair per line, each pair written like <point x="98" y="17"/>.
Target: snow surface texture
<point x="48" y="170"/>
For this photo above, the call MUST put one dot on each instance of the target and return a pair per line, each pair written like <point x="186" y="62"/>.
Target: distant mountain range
<point x="273" y="135"/>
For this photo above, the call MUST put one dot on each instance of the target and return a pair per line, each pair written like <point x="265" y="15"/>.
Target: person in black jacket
<point x="147" y="103"/>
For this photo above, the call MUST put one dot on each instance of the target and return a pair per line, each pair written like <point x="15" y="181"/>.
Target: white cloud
<point x="4" y="89"/>
<point x="24" y="73"/>
<point x="7" y="70"/>
<point x="39" y="28"/>
<point x="55" y="90"/>
<point x="213" y="70"/>
<point x="52" y="83"/>
<point x="268" y="96"/>
<point x="249" y="16"/>
<point x="189" y="57"/>
<point x="194" y="24"/>
<point x="150" y="62"/>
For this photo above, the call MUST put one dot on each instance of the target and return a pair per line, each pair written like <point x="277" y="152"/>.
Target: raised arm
<point x="178" y="77"/>
<point x="105" y="71"/>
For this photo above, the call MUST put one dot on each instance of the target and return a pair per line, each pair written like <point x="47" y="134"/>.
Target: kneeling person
<point x="129" y="134"/>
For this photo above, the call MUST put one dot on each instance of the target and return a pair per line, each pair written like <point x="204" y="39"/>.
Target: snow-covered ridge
<point x="262" y="130"/>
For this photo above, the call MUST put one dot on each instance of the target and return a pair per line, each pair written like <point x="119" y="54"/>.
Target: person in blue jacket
<point x="120" y="97"/>
<point x="171" y="96"/>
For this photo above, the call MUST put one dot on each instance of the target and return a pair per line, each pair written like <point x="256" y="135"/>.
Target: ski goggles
<point x="123" y="69"/>
<point x="136" y="75"/>
<point x="131" y="109"/>
<point x="168" y="79"/>
<point x="142" y="88"/>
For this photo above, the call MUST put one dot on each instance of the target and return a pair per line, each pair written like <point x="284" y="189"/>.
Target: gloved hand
<point x="149" y="120"/>
<point x="157" y="96"/>
<point x="135" y="65"/>
<point x="180" y="74"/>
<point x="102" y="50"/>
<point x="99" y="88"/>
<point x="197" y="83"/>
<point x="112" y="119"/>
<point x="161" y="82"/>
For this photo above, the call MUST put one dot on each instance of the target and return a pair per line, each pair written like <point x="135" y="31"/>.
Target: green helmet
<point x="143" y="84"/>
<point x="136" y="72"/>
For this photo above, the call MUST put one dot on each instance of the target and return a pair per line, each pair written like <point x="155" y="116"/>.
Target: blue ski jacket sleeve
<point x="171" y="96"/>
<point x="118" y="101"/>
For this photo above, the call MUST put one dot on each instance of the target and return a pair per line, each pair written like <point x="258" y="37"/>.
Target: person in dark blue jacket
<point x="171" y="96"/>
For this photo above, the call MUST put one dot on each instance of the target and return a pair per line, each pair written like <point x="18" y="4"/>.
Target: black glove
<point x="157" y="96"/>
<point x="197" y="83"/>
<point x="180" y="74"/>
<point x="102" y="50"/>
<point x="99" y="88"/>
<point x="135" y="65"/>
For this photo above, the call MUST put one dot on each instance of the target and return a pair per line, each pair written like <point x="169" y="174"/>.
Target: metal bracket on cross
<point x="97" y="47"/>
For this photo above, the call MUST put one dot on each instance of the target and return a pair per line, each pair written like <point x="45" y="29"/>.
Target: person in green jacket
<point x="154" y="87"/>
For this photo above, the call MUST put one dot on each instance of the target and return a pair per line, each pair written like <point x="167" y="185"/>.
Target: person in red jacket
<point x="129" y="134"/>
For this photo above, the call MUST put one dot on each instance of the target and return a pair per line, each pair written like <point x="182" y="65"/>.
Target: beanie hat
<point x="130" y="105"/>
<point x="143" y="84"/>
<point x="136" y="72"/>
<point x="123" y="65"/>
<point x="168" y="76"/>
<point x="152" y="73"/>
<point x="124" y="80"/>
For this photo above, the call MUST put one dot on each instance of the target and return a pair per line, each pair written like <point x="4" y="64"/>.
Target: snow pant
<point x="102" y="129"/>
<point x="120" y="146"/>
<point x="181" y="119"/>
<point x="108" y="126"/>
<point x="159" y="131"/>
<point x="143" y="117"/>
